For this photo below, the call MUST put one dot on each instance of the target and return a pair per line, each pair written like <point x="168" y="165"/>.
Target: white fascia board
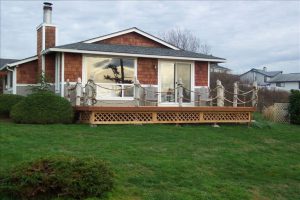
<point x="22" y="61"/>
<point x="129" y="31"/>
<point x="132" y="55"/>
<point x="44" y="24"/>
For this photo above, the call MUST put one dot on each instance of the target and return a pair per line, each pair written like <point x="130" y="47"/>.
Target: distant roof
<point x="293" y="77"/>
<point x="4" y="61"/>
<point x="266" y="73"/>
<point x="216" y="66"/>
<point x="134" y="50"/>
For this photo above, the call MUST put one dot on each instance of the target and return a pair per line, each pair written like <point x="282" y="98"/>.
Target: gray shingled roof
<point x="294" y="77"/>
<point x="4" y="61"/>
<point x="267" y="73"/>
<point x="135" y="50"/>
<point x="216" y="66"/>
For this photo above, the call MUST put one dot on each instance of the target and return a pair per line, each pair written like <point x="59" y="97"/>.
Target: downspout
<point x="14" y="81"/>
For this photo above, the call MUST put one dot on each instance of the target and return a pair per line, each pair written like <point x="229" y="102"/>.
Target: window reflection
<point x="114" y="75"/>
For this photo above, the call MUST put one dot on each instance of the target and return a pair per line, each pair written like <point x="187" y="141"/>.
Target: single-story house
<point x="261" y="76"/>
<point x="113" y="61"/>
<point x="286" y="81"/>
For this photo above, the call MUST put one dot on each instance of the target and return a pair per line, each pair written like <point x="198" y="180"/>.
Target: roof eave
<point x="220" y="60"/>
<point x="22" y="61"/>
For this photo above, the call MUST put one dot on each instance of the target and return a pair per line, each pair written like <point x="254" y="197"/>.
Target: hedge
<point x="57" y="176"/>
<point x="7" y="101"/>
<point x="42" y="108"/>
<point x="294" y="107"/>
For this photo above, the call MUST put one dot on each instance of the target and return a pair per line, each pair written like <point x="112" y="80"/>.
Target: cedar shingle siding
<point x="132" y="39"/>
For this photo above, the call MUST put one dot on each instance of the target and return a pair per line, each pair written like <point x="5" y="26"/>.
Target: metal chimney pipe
<point x="47" y="13"/>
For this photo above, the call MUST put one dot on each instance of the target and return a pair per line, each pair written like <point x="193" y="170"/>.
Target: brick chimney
<point x="46" y="35"/>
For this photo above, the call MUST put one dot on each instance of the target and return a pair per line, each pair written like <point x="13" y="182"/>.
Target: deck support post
<point x="220" y="94"/>
<point x="180" y="92"/>
<point x="68" y="90"/>
<point x="78" y="92"/>
<point x="137" y="92"/>
<point x="254" y="94"/>
<point x="235" y="94"/>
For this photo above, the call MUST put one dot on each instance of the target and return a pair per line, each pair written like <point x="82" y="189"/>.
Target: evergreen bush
<point x="43" y="107"/>
<point x="7" y="101"/>
<point x="58" y="177"/>
<point x="294" y="107"/>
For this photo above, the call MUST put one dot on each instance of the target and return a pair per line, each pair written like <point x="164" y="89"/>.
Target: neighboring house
<point x="260" y="76"/>
<point x="112" y="61"/>
<point x="286" y="81"/>
<point x="214" y="67"/>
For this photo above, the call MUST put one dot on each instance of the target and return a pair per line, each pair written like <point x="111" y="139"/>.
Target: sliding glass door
<point x="170" y="74"/>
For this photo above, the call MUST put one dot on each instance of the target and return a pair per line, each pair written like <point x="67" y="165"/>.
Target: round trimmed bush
<point x="7" y="101"/>
<point x="42" y="108"/>
<point x="58" y="176"/>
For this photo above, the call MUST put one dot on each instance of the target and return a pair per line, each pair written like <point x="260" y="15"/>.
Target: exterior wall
<point x="201" y="73"/>
<point x="27" y="73"/>
<point x="73" y="66"/>
<point x="287" y="86"/>
<point x="147" y="70"/>
<point x="39" y="48"/>
<point x="132" y="39"/>
<point x="50" y="67"/>
<point x="50" y="36"/>
<point x="250" y="77"/>
<point x="26" y="90"/>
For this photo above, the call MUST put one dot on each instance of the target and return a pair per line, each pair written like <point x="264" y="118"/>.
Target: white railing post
<point x="136" y="92"/>
<point x="68" y="90"/>
<point x="180" y="92"/>
<point x="220" y="94"/>
<point x="199" y="99"/>
<point x="78" y="92"/>
<point x="254" y="94"/>
<point x="235" y="94"/>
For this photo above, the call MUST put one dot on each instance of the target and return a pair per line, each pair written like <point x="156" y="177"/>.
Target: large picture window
<point x="115" y="76"/>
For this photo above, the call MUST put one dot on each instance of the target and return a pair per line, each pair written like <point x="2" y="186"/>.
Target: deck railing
<point x="86" y="95"/>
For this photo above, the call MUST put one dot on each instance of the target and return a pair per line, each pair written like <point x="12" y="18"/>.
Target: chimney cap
<point x="47" y="4"/>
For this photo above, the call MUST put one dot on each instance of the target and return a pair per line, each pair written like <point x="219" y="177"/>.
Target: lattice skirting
<point x="98" y="117"/>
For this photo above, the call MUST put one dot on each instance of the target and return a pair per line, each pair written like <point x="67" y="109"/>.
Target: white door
<point x="170" y="74"/>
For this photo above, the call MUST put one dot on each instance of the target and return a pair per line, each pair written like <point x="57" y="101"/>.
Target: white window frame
<point x="160" y="61"/>
<point x="99" y="97"/>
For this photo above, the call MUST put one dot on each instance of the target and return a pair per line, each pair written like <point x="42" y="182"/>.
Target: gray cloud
<point x="247" y="34"/>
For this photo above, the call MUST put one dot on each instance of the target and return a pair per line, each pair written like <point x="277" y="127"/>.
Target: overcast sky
<point x="247" y="34"/>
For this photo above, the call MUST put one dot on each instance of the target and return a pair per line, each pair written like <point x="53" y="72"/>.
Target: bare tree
<point x="186" y="40"/>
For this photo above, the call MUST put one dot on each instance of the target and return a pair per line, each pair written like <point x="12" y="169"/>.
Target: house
<point x="214" y="67"/>
<point x="113" y="61"/>
<point x="260" y="76"/>
<point x="286" y="81"/>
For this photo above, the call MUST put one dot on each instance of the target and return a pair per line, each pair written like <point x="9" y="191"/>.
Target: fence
<point x="86" y="95"/>
<point x="277" y="113"/>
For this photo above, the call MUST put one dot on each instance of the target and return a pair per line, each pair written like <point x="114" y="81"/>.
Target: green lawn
<point x="173" y="162"/>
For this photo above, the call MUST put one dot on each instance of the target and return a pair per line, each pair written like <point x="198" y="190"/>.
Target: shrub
<point x="7" y="101"/>
<point x="58" y="176"/>
<point x="42" y="108"/>
<point x="294" y="108"/>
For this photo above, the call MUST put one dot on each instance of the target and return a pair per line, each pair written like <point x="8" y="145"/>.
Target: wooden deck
<point x="157" y="115"/>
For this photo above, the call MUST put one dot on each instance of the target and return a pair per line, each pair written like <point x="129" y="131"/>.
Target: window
<point x="279" y="84"/>
<point x="115" y="76"/>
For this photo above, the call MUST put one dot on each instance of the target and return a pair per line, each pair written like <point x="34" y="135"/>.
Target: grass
<point x="173" y="162"/>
